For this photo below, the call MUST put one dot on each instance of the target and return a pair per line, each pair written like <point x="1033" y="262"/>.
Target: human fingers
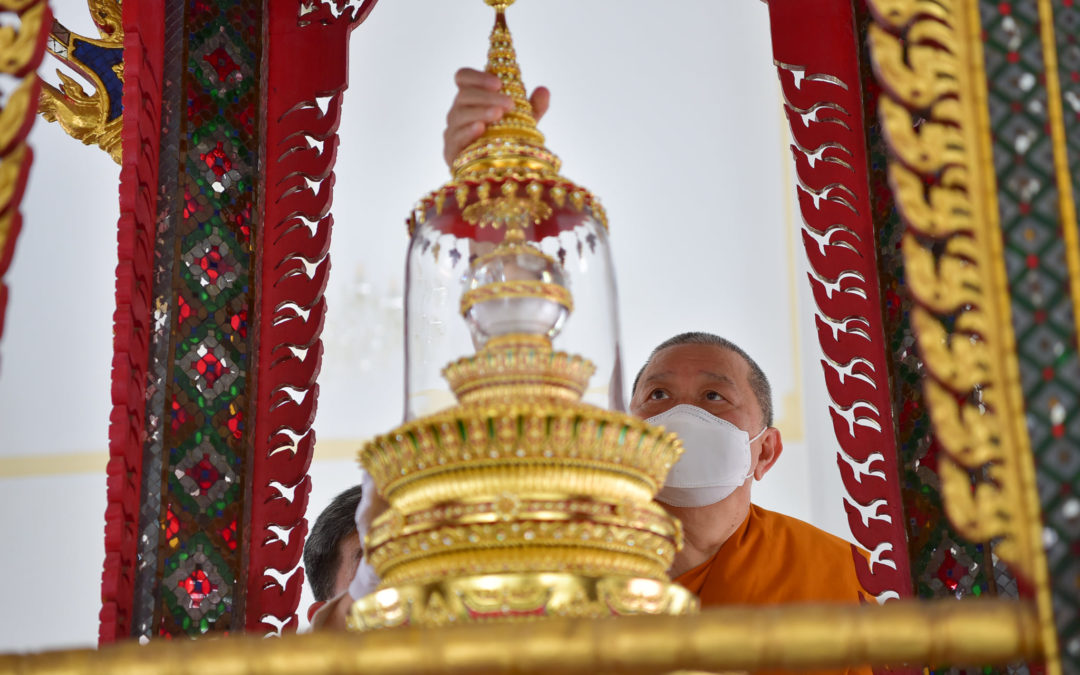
<point x="455" y="139"/>
<point x="540" y="100"/>
<point x="478" y="96"/>
<point x="469" y="77"/>
<point x="474" y="105"/>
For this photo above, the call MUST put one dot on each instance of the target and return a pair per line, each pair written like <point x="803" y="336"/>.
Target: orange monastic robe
<point x="775" y="559"/>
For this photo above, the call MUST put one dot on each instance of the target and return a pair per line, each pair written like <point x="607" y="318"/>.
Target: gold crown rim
<point x="554" y="189"/>
<point x="606" y="534"/>
<point x="465" y="437"/>
<point x="538" y="560"/>
<point x="654" y="551"/>
<point x="524" y="509"/>
<point x="543" y="372"/>
<point x="603" y="480"/>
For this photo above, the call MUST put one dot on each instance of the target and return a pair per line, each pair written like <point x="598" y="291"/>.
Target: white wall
<point x="671" y="117"/>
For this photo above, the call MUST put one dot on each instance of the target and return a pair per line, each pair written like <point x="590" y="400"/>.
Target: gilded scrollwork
<point x="928" y="59"/>
<point x="948" y="267"/>
<point x="91" y="117"/>
<point x="518" y="597"/>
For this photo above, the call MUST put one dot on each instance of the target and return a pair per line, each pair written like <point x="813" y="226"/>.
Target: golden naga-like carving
<point x="933" y="109"/>
<point x="91" y="117"/>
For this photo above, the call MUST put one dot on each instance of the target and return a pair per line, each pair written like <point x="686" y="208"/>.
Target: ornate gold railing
<point x="941" y="632"/>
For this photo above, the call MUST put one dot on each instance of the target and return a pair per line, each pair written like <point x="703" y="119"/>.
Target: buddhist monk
<point x="720" y="402"/>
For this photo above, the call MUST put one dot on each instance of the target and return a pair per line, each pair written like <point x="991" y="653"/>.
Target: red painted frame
<point x="306" y="64"/>
<point x="816" y="49"/>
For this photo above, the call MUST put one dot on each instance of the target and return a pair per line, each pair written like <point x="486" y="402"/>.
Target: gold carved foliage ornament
<point x="92" y="117"/>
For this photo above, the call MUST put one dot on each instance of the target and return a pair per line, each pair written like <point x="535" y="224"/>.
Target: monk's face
<point x="707" y="376"/>
<point x="349" y="553"/>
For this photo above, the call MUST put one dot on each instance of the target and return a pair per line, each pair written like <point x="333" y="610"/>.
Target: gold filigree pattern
<point x="513" y="507"/>
<point x="487" y="548"/>
<point x="511" y="245"/>
<point x="510" y="155"/>
<point x="526" y="447"/>
<point x="521" y="597"/>
<point x="549" y="189"/>
<point x="550" y="560"/>
<point x="507" y="212"/>
<point x="928" y="59"/>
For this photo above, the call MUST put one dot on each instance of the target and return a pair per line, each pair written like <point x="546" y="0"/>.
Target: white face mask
<point x="715" y="459"/>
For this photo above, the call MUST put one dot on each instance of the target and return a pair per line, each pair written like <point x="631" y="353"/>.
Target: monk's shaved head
<point x="759" y="384"/>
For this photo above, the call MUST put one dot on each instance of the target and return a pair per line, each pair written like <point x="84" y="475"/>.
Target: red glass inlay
<point x="221" y="62"/>
<point x="204" y="473"/>
<point x="198" y="586"/>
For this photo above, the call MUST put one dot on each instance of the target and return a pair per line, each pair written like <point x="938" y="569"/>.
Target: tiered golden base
<point x="517" y="504"/>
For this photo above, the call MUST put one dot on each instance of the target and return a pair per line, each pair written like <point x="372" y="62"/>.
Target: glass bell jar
<point x="508" y="250"/>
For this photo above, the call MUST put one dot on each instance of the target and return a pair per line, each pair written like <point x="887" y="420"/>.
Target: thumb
<point x="540" y="100"/>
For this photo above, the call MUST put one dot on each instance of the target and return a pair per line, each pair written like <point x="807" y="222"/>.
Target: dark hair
<point x="759" y="384"/>
<point x="322" y="557"/>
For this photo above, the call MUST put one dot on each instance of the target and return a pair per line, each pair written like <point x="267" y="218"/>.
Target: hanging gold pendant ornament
<point x="517" y="487"/>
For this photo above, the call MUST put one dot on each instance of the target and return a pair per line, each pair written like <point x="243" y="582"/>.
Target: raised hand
<point x="477" y="104"/>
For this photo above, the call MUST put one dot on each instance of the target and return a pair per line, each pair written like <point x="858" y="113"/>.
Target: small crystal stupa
<point x="515" y="489"/>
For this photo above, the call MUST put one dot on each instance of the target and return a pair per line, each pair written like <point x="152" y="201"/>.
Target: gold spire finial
<point x="514" y="140"/>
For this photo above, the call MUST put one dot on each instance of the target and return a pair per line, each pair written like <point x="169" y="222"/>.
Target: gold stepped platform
<point x="520" y="506"/>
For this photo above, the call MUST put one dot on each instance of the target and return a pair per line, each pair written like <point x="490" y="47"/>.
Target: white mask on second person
<point x="715" y="460"/>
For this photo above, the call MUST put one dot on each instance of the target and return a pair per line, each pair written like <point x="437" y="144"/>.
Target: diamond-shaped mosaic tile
<point x="210" y="368"/>
<point x="205" y="475"/>
<point x="197" y="584"/>
<point x="1042" y="308"/>
<point x="212" y="263"/>
<point x="220" y="62"/>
